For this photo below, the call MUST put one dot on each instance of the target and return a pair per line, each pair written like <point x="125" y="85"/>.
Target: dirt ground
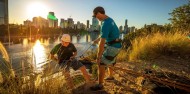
<point x="173" y="70"/>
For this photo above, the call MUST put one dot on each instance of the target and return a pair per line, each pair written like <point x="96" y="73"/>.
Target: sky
<point x="137" y="12"/>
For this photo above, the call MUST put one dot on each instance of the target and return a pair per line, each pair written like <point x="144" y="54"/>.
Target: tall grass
<point x="47" y="83"/>
<point x="152" y="46"/>
<point x="123" y="55"/>
<point x="6" y="70"/>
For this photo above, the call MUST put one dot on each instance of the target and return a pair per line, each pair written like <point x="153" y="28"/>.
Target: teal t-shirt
<point x="110" y="31"/>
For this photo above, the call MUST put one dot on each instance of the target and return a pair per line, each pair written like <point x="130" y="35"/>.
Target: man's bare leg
<point x="85" y="73"/>
<point x="101" y="74"/>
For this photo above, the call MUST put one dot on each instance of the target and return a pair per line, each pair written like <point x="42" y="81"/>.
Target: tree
<point x="181" y="17"/>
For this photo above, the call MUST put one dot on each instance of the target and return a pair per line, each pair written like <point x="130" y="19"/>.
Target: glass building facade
<point x="4" y="12"/>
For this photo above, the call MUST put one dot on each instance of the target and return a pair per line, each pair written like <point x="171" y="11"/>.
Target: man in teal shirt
<point x="109" y="46"/>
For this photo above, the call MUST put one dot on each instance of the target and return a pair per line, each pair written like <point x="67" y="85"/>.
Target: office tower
<point x="126" y="27"/>
<point x="87" y="23"/>
<point x="70" y="23"/>
<point x="52" y="20"/>
<point x="4" y="12"/>
<point x="62" y="23"/>
<point x="121" y="29"/>
<point x="39" y="22"/>
<point x="95" y="24"/>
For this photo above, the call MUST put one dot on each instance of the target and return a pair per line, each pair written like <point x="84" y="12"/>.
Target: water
<point x="26" y="57"/>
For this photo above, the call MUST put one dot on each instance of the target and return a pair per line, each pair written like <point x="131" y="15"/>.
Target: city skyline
<point x="136" y="12"/>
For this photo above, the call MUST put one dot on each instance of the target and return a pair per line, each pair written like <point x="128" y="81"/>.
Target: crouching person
<point x="66" y="52"/>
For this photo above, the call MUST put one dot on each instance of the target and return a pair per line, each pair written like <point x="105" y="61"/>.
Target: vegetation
<point x="181" y="17"/>
<point x="158" y="44"/>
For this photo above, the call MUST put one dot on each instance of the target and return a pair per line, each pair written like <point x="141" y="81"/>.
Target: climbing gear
<point x="114" y="41"/>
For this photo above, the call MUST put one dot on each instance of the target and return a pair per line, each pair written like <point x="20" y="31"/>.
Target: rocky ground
<point x="163" y="75"/>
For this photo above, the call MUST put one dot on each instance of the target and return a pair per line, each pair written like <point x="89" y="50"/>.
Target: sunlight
<point x="39" y="55"/>
<point x="37" y="9"/>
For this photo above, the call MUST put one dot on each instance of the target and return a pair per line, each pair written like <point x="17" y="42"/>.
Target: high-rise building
<point x="62" y="23"/>
<point x="121" y="29"/>
<point x="52" y="20"/>
<point x="4" y="12"/>
<point x="87" y="23"/>
<point x="95" y="24"/>
<point x="70" y="23"/>
<point x="39" y="22"/>
<point x="126" y="27"/>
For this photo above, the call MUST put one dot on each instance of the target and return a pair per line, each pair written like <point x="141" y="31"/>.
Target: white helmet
<point x="66" y="38"/>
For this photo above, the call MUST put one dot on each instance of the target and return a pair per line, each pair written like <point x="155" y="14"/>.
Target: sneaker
<point x="97" y="87"/>
<point x="109" y="78"/>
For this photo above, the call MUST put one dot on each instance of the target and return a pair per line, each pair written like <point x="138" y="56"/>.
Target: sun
<point x="37" y="9"/>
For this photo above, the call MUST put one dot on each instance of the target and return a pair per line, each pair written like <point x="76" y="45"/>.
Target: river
<point x="26" y="56"/>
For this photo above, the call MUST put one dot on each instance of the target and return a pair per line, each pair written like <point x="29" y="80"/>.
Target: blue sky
<point x="137" y="12"/>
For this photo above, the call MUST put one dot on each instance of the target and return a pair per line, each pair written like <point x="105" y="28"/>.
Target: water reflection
<point x="39" y="55"/>
<point x="25" y="42"/>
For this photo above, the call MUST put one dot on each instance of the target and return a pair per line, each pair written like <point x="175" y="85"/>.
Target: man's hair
<point x="99" y="9"/>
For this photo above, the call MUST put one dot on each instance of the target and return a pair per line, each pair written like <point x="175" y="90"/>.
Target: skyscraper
<point x="88" y="23"/>
<point x="4" y="12"/>
<point x="126" y="27"/>
<point x="53" y="21"/>
<point x="95" y="24"/>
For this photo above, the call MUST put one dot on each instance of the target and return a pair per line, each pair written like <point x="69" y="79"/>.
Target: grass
<point x="152" y="46"/>
<point x="39" y="84"/>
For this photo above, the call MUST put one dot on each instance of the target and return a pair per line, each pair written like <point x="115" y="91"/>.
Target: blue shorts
<point x="66" y="65"/>
<point x="109" y="55"/>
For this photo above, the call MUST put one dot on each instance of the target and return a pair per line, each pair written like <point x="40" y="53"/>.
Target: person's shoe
<point x="109" y="78"/>
<point x="97" y="87"/>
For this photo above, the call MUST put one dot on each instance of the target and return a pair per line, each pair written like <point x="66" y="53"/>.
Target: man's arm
<point x="96" y="41"/>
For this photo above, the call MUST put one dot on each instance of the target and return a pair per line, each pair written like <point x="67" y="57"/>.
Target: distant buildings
<point x="131" y="29"/>
<point x="95" y="25"/>
<point x="80" y="25"/>
<point x="121" y="29"/>
<point x="37" y="22"/>
<point x="52" y="22"/>
<point x="4" y="12"/>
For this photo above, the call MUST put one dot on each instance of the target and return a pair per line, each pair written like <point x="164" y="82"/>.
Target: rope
<point x="82" y="55"/>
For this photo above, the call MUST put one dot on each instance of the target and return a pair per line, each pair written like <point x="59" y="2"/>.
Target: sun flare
<point x="37" y="9"/>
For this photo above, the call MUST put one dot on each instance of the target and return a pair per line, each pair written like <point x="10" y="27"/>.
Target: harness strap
<point x="114" y="41"/>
